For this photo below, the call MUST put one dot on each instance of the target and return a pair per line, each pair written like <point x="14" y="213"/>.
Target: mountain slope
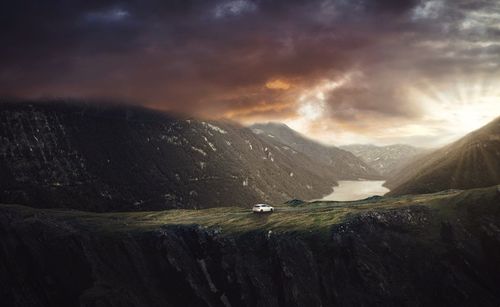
<point x="473" y="161"/>
<point x="346" y="165"/>
<point x="129" y="158"/>
<point x="425" y="250"/>
<point x="384" y="159"/>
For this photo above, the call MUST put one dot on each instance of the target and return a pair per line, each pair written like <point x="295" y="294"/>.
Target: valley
<point x="118" y="157"/>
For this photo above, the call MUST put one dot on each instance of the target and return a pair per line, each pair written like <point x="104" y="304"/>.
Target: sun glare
<point x="460" y="107"/>
<point x="448" y="112"/>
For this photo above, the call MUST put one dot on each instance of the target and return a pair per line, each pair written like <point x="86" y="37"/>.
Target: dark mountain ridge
<point x="116" y="157"/>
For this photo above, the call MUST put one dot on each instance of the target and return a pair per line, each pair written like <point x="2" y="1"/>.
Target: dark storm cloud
<point x="215" y="57"/>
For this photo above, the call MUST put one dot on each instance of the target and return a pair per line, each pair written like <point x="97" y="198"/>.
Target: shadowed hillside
<point x="473" y="161"/>
<point x="129" y="158"/>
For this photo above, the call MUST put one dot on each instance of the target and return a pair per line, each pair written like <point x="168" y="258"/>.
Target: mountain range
<point x="384" y="159"/>
<point x="116" y="157"/>
<point x="129" y="158"/>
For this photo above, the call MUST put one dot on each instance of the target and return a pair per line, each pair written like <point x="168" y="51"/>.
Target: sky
<point x="340" y="71"/>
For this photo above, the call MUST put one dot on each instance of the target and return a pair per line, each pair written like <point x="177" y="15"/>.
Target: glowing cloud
<point x="277" y="85"/>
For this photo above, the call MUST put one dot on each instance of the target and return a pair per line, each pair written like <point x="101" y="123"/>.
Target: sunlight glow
<point x="461" y="107"/>
<point x="448" y="112"/>
<point x="312" y="111"/>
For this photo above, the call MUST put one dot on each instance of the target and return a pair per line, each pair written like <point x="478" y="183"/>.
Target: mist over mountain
<point x="346" y="165"/>
<point x="472" y="161"/>
<point x="129" y="158"/>
<point x="384" y="159"/>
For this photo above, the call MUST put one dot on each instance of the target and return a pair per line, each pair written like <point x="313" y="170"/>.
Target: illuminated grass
<point x="309" y="216"/>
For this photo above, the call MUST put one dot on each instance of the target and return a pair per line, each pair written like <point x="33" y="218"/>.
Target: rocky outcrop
<point x="415" y="255"/>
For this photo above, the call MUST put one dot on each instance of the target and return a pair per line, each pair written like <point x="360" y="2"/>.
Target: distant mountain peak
<point x="385" y="159"/>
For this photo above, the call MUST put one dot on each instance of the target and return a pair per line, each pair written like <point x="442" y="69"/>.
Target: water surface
<point x="354" y="190"/>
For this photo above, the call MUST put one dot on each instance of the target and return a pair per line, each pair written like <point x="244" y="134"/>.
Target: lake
<point x="354" y="190"/>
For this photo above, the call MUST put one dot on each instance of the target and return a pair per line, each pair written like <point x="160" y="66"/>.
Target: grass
<point x="312" y="216"/>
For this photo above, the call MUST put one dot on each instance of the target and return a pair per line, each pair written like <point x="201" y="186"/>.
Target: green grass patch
<point x="312" y="216"/>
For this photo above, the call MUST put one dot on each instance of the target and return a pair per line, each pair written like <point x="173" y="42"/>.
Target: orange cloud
<point x="261" y="110"/>
<point x="277" y="84"/>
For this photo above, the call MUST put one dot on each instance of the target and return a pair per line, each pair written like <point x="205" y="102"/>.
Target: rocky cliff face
<point x="416" y="255"/>
<point x="124" y="158"/>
